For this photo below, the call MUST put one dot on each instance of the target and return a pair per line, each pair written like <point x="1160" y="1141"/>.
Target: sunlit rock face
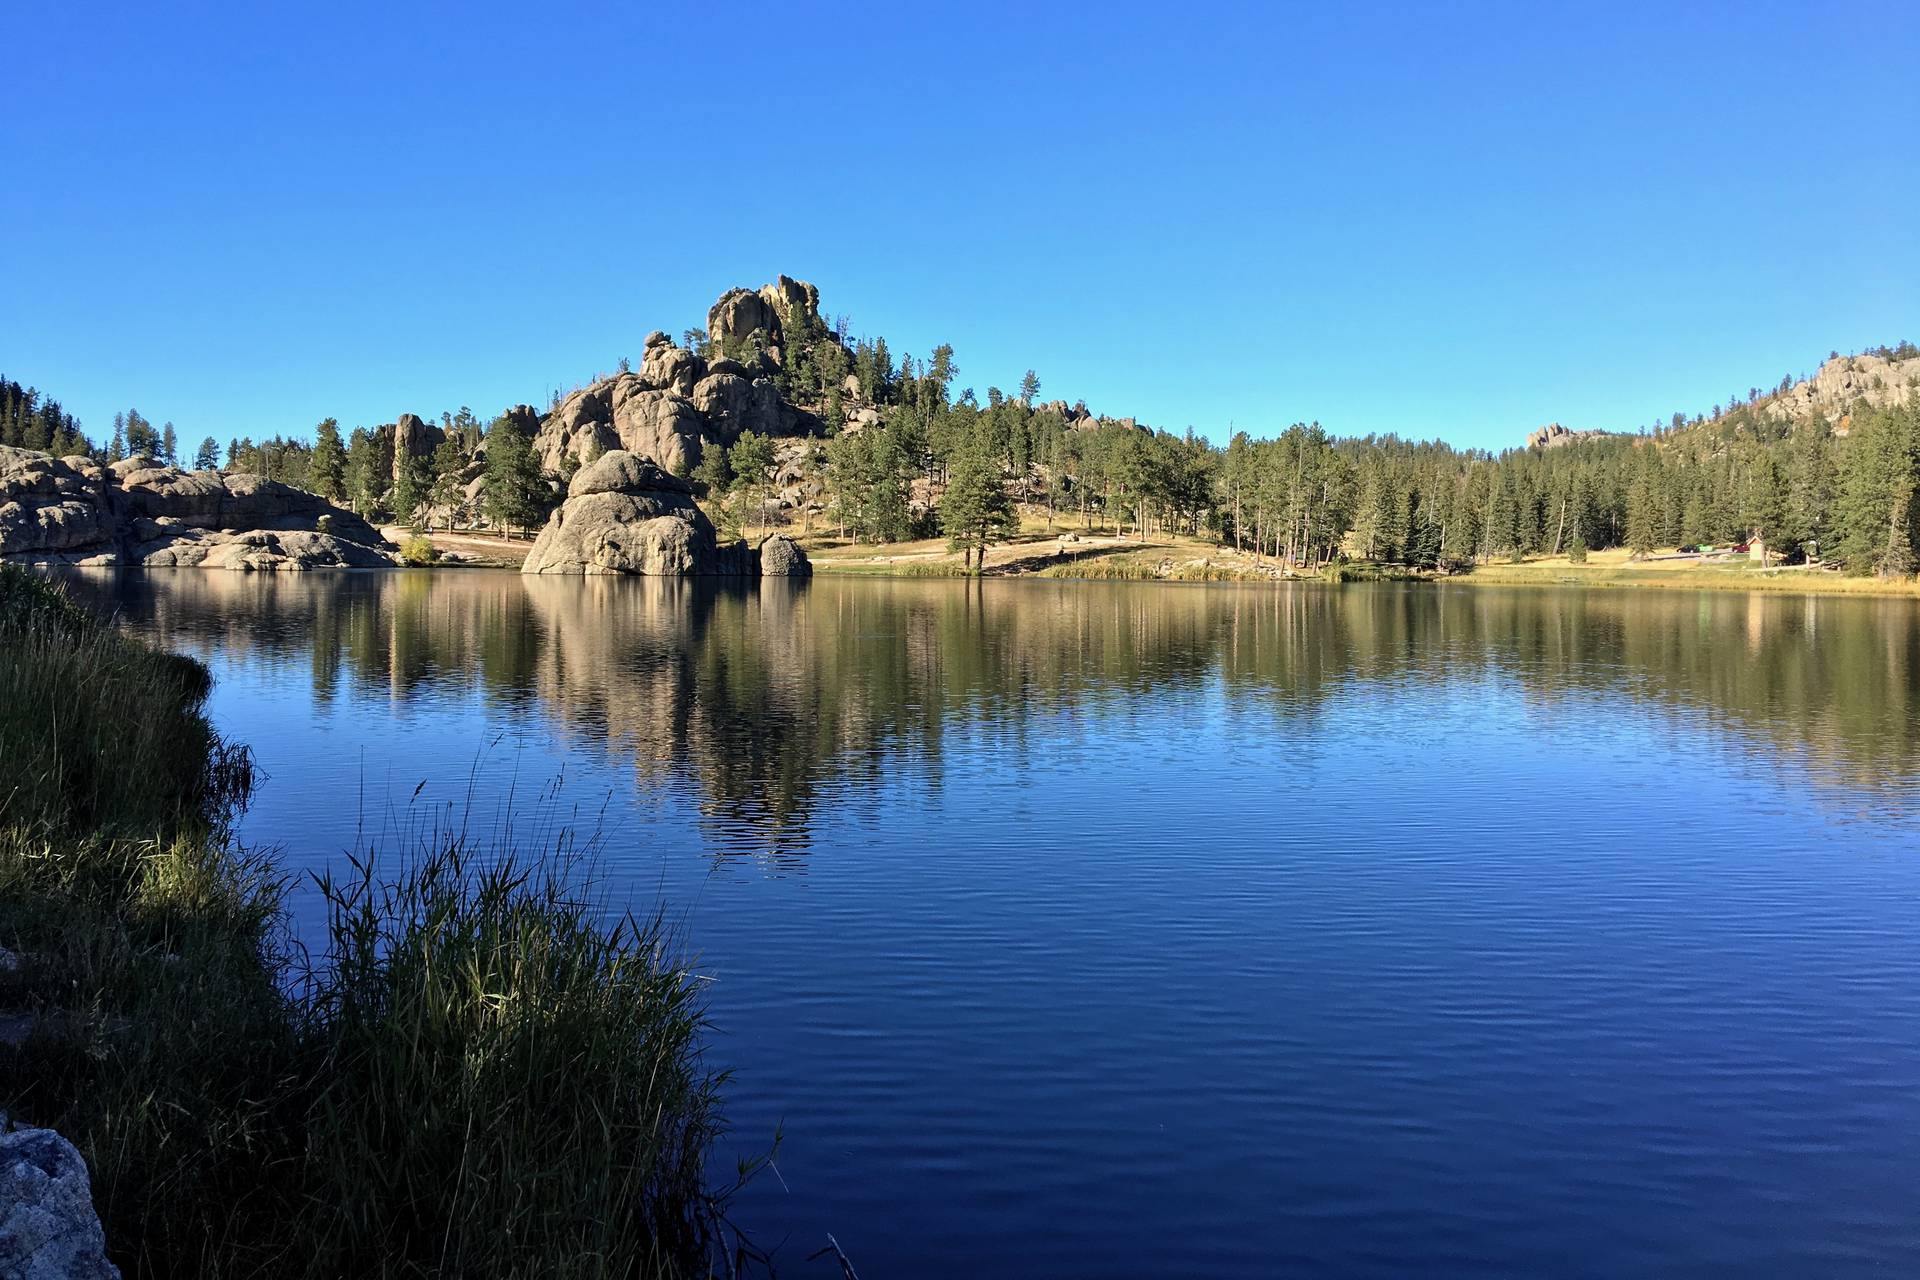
<point x="679" y="402"/>
<point x="623" y="514"/>
<point x="140" y="513"/>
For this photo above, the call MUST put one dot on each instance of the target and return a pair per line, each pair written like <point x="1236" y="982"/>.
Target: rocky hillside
<point x="680" y="401"/>
<point x="1846" y="384"/>
<point x="1842" y="387"/>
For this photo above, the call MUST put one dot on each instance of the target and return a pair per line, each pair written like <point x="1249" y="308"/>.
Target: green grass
<point x="478" y="1077"/>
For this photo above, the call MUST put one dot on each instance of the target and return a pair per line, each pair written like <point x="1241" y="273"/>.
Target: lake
<point x="1138" y="930"/>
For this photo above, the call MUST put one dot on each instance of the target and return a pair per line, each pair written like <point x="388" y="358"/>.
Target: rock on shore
<point x="138" y="513"/>
<point x="48" y="1230"/>
<point x="624" y="514"/>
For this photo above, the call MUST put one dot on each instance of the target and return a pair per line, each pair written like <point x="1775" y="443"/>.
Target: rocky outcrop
<point x="48" y="1229"/>
<point x="679" y="402"/>
<point x="137" y="512"/>
<point x="1846" y="383"/>
<point x="624" y="514"/>
<point x="411" y="438"/>
<point x="737" y="316"/>
<point x="1554" y="436"/>
<point x="745" y="320"/>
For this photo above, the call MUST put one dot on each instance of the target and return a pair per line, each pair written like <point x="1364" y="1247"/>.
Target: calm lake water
<point x="1133" y="930"/>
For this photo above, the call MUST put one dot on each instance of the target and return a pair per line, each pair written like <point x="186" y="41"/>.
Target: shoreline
<point x="565" y="1055"/>
<point x="1110" y="558"/>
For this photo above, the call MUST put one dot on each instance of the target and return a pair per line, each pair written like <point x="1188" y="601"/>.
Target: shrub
<point x="419" y="551"/>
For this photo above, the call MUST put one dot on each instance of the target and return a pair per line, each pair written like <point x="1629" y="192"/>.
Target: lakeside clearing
<point x="1062" y="552"/>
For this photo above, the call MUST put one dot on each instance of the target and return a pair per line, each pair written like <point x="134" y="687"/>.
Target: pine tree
<point x="411" y="483"/>
<point x="1641" y="517"/>
<point x="169" y="445"/>
<point x="208" y="456"/>
<point x="1765" y="502"/>
<point x="751" y="461"/>
<point x="447" y="493"/>
<point x="516" y="494"/>
<point x="361" y="475"/>
<point x="1811" y="487"/>
<point x="1877" y="512"/>
<point x="976" y="510"/>
<point x="1579" y="517"/>
<point x="326" y="472"/>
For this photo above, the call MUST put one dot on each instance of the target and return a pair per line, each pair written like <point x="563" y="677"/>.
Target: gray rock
<point x="48" y="1229"/>
<point x="623" y="514"/>
<point x="136" y="512"/>
<point x="781" y="557"/>
<point x="671" y="368"/>
<point x="621" y="472"/>
<point x="788" y="297"/>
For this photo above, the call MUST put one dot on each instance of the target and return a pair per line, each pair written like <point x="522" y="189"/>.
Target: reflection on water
<point x="1107" y="929"/>
<point x="772" y="697"/>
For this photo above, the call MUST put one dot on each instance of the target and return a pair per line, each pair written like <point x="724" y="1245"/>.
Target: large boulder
<point x="781" y="557"/>
<point x="580" y="427"/>
<point x="137" y="512"/>
<point x="624" y="514"/>
<point x="48" y="1228"/>
<point x="624" y="471"/>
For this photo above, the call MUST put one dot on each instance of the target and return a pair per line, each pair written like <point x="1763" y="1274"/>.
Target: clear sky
<point x="1437" y="219"/>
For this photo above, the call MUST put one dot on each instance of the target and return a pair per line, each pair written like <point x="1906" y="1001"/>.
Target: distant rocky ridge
<point x="1841" y="386"/>
<point x="1844" y="384"/>
<point x="1553" y="436"/>
<point x="623" y="514"/>
<point x="137" y="512"/>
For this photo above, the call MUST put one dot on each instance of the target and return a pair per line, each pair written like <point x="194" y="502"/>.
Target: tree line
<point x="1831" y="490"/>
<point x="930" y="461"/>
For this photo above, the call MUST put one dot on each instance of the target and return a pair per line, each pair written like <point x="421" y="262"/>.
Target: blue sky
<point x="1453" y="221"/>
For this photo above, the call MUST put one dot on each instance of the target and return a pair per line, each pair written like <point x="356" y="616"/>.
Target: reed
<point x="480" y="1074"/>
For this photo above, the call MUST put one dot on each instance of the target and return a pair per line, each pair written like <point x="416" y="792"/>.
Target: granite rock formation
<point x="624" y="514"/>
<point x="137" y="512"/>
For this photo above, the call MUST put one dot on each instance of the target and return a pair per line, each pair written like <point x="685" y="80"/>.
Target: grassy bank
<point x="1614" y="568"/>
<point x="476" y="1078"/>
